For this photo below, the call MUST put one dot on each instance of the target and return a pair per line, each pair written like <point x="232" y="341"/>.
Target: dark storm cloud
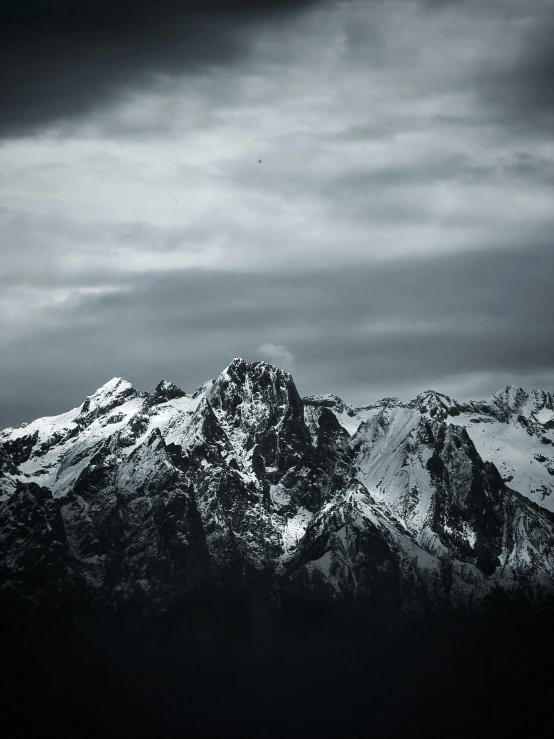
<point x="350" y="330"/>
<point x="517" y="91"/>
<point x="512" y="78"/>
<point x="61" y="59"/>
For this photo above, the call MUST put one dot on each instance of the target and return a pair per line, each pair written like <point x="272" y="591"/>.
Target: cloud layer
<point x="397" y="234"/>
<point x="465" y="324"/>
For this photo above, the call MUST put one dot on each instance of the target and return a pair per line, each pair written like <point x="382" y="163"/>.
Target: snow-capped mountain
<point x="133" y="498"/>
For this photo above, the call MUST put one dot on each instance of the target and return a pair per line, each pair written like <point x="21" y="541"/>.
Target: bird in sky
<point x="259" y="161"/>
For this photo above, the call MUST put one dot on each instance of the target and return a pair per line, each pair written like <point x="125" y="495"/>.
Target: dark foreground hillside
<point x="228" y="663"/>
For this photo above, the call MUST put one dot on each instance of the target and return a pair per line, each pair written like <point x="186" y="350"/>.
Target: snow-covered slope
<point x="512" y="429"/>
<point x="134" y="497"/>
<point x="54" y="451"/>
<point x="515" y="431"/>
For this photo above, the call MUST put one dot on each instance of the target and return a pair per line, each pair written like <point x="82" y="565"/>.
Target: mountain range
<point x="137" y="497"/>
<point x="243" y="560"/>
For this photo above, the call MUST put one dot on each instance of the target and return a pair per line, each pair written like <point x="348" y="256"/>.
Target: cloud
<point x="469" y="322"/>
<point x="61" y="60"/>
<point x="516" y="89"/>
<point x="277" y="354"/>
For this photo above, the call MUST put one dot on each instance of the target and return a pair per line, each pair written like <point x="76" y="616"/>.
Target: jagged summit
<point x="510" y="397"/>
<point x="253" y="383"/>
<point x="112" y="393"/>
<point x="239" y="368"/>
<point x="433" y="396"/>
<point x="116" y="385"/>
<point x="515" y="402"/>
<point x="434" y="404"/>
<point x="168" y="390"/>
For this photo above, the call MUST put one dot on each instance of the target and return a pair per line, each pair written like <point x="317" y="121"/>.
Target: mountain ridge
<point x="241" y="560"/>
<point x="246" y="478"/>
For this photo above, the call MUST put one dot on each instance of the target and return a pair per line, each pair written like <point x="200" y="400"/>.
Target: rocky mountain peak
<point x="433" y="404"/>
<point x="391" y="402"/>
<point x="255" y="383"/>
<point x="113" y="393"/>
<point x="258" y="407"/>
<point x="165" y="390"/>
<point x="510" y="398"/>
<point x="540" y="400"/>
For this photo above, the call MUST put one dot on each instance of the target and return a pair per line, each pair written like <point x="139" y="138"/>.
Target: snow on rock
<point x="134" y="497"/>
<point x="514" y="430"/>
<point x="108" y="396"/>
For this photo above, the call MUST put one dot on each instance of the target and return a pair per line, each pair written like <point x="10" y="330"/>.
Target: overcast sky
<point x="397" y="235"/>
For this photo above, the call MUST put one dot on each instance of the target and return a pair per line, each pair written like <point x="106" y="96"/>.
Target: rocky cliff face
<point x="132" y="500"/>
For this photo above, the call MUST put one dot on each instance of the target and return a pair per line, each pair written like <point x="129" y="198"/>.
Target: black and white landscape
<point x="355" y="197"/>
